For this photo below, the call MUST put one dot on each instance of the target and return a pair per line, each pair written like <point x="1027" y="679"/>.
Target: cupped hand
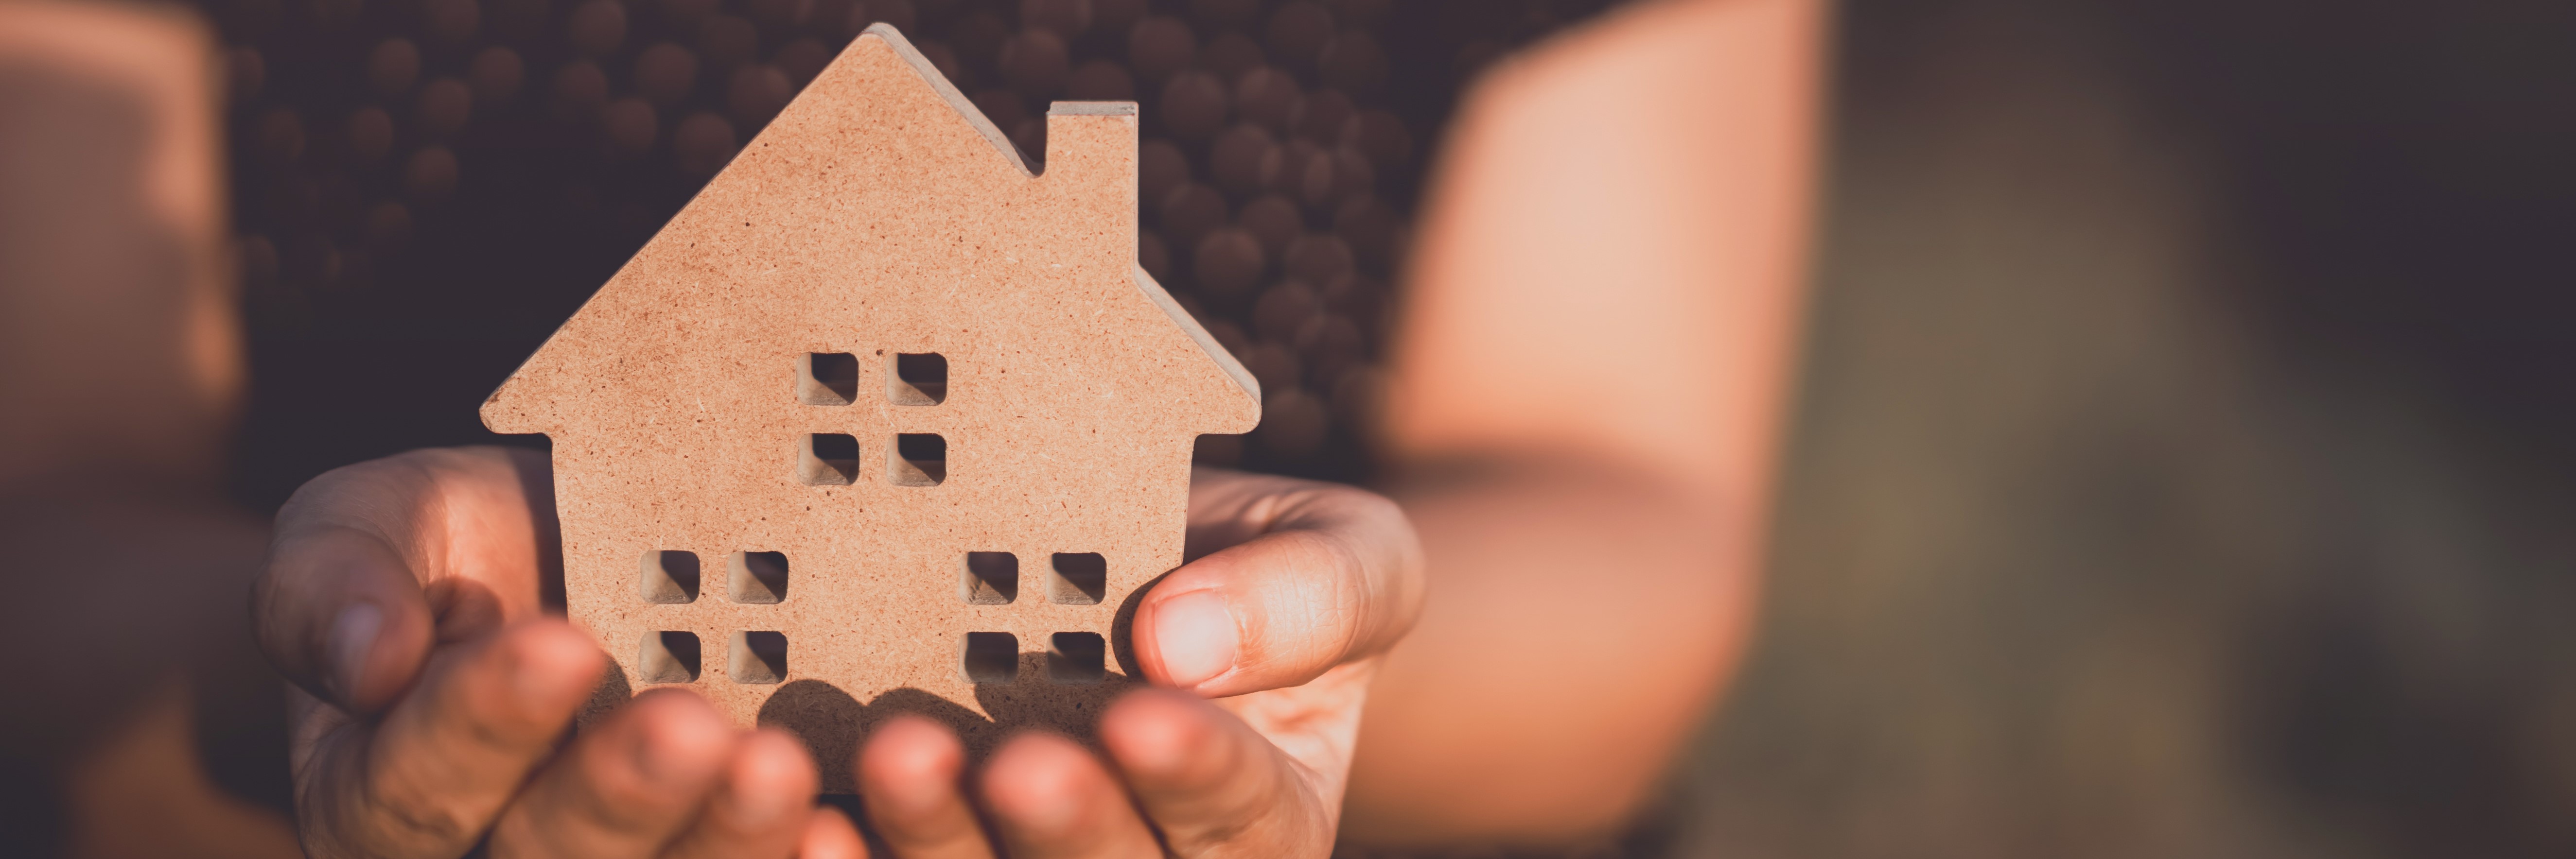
<point x="1296" y="589"/>
<point x="407" y="600"/>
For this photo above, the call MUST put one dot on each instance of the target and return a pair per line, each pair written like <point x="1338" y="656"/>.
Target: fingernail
<point x="1197" y="637"/>
<point x="353" y="636"/>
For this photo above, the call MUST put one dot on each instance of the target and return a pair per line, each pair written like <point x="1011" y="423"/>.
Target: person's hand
<point x="406" y="600"/>
<point x="1295" y="590"/>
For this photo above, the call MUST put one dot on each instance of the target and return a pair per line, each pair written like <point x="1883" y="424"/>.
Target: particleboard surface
<point x="880" y="214"/>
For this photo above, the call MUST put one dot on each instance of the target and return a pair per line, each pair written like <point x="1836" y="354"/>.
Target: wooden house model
<point x="881" y="420"/>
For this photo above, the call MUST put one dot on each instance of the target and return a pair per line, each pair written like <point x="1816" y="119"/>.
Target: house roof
<point x="882" y="205"/>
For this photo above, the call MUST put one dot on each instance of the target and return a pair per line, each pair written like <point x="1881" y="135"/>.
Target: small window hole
<point x="757" y="657"/>
<point x="918" y="379"/>
<point x="668" y="657"/>
<point x="668" y="576"/>
<point x="756" y="577"/>
<point x="1081" y="578"/>
<point x="828" y="459"/>
<point x="920" y="459"/>
<point x="992" y="657"/>
<point x="828" y="379"/>
<point x="992" y="578"/>
<point x="1077" y="657"/>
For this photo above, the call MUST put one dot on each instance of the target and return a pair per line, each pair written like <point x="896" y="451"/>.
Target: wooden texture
<point x="880" y="215"/>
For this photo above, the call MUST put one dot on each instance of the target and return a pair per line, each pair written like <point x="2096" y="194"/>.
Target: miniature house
<point x="881" y="420"/>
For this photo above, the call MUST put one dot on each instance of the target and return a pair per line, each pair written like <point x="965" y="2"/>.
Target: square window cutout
<point x="1077" y="657"/>
<point x="757" y="657"/>
<point x="920" y="459"/>
<point x="668" y="576"/>
<point x="827" y="379"/>
<point x="1081" y="578"/>
<point x="828" y="459"/>
<point x="668" y="657"/>
<point x="992" y="578"/>
<point x="759" y="578"/>
<point x="917" y="379"/>
<point x="992" y="657"/>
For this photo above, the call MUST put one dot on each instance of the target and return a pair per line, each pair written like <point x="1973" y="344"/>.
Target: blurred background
<point x="2181" y="460"/>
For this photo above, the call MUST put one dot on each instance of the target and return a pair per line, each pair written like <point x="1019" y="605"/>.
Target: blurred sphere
<point x="1100" y="80"/>
<point x="1268" y="97"/>
<point x="1160" y="167"/>
<point x="1359" y="396"/>
<point x="597" y="26"/>
<point x="684" y="14"/>
<point x="371" y="134"/>
<point x="1293" y="423"/>
<point x="1117" y="15"/>
<point x="281" y="135"/>
<point x="1234" y="162"/>
<point x="497" y="74"/>
<point x="431" y="174"/>
<point x="1193" y="105"/>
<point x="757" y="94"/>
<point x="1273" y="220"/>
<point x="245" y="71"/>
<point x="630" y="124"/>
<point x="1153" y="256"/>
<point x="1227" y="263"/>
<point x="945" y="60"/>
<point x="1066" y="18"/>
<point x="1353" y="296"/>
<point x="1298" y="30"/>
<point x="1316" y="185"/>
<point x="1283" y="309"/>
<point x="518" y="20"/>
<point x="978" y="38"/>
<point x="1035" y="62"/>
<point x="665" y="72"/>
<point x="1352" y="62"/>
<point x="1158" y="47"/>
<point x="1223" y="14"/>
<point x="802" y="60"/>
<point x="1353" y="176"/>
<point x="388" y="227"/>
<point x="702" y="144"/>
<point x="1330" y="346"/>
<point x="726" y="42"/>
<point x="393" y="67"/>
<point x="781" y="14"/>
<point x="1284" y="171"/>
<point x="450" y="21"/>
<point x="1322" y="116"/>
<point x="1274" y="364"/>
<point x="1361" y="13"/>
<point x="1381" y="136"/>
<point x="1317" y="258"/>
<point x="1003" y="108"/>
<point x="1189" y="212"/>
<point x="1370" y="226"/>
<point x="443" y="107"/>
<point x="1231" y="56"/>
<point x="580" y="88"/>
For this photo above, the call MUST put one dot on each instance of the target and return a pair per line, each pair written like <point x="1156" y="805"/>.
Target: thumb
<point x="1335" y="575"/>
<point x="340" y="614"/>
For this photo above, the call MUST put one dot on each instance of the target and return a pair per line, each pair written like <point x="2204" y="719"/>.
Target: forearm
<point x="1581" y="621"/>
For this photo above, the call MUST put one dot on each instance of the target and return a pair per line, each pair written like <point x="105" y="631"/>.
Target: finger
<point x="1050" y="799"/>
<point x="910" y="777"/>
<point x="1325" y="574"/>
<point x="829" y="835"/>
<point x="760" y="806"/>
<point x="440" y="767"/>
<point x="1210" y="783"/>
<point x="625" y="788"/>
<point x="363" y="557"/>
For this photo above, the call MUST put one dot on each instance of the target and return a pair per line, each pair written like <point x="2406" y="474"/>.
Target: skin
<point x="434" y="688"/>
